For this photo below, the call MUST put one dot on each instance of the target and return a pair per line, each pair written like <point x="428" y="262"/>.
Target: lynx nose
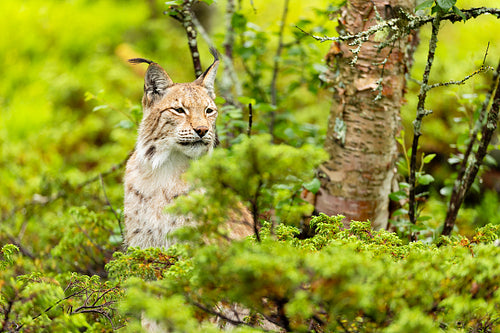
<point x="201" y="131"/>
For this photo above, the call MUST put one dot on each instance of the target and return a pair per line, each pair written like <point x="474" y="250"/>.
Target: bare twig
<point x="449" y="83"/>
<point x="97" y="246"/>
<point x="90" y="96"/>
<point x="117" y="217"/>
<point x="54" y="197"/>
<point x="64" y="193"/>
<point x="17" y="242"/>
<point x="412" y="23"/>
<point x="230" y="34"/>
<point x="218" y="314"/>
<point x="486" y="54"/>
<point x="233" y="81"/>
<point x="184" y="14"/>
<point x="277" y="58"/>
<point x="250" y="116"/>
<point x="421" y="113"/>
<point x="55" y="304"/>
<point x="380" y="86"/>
<point x="470" y="165"/>
<point x="255" y="79"/>
<point x="6" y="312"/>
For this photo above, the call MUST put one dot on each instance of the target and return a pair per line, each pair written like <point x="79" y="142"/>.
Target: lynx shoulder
<point x="178" y="125"/>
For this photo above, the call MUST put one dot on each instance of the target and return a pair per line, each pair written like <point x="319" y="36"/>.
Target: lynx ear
<point x="207" y="79"/>
<point x="156" y="81"/>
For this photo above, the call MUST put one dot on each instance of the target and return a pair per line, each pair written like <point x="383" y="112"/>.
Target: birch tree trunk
<point x="357" y="179"/>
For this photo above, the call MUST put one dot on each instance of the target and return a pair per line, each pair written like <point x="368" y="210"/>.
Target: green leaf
<point x="238" y="22"/>
<point x="399" y="195"/>
<point x="125" y="124"/>
<point x="459" y="13"/>
<point x="400" y="211"/>
<point x="454" y="160"/>
<point x="173" y="3"/>
<point x="219" y="100"/>
<point x="490" y="160"/>
<point x="404" y="185"/>
<point x="424" y="218"/>
<point x="428" y="158"/>
<point x="424" y="5"/>
<point x="313" y="186"/>
<point x="416" y="227"/>
<point x="445" y="5"/>
<point x="246" y="100"/>
<point x="265" y="107"/>
<point x="99" y="107"/>
<point x="425" y="179"/>
<point x="445" y="191"/>
<point x="88" y="96"/>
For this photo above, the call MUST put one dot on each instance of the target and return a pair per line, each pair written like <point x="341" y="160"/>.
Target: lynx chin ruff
<point x="178" y="125"/>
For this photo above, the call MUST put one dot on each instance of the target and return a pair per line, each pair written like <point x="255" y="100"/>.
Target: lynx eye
<point x="209" y="111"/>
<point x="179" y="110"/>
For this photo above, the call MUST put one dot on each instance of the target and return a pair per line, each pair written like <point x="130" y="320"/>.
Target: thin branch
<point x="17" y="242"/>
<point x="277" y="56"/>
<point x="380" y="87"/>
<point x="283" y="319"/>
<point x="486" y="53"/>
<point x="230" y="33"/>
<point x="7" y="311"/>
<point x="184" y="14"/>
<point x="117" y="217"/>
<point x="64" y="193"/>
<point x="102" y="295"/>
<point x="250" y="119"/>
<point x="400" y="27"/>
<point x="90" y="96"/>
<point x="54" y="197"/>
<point x="277" y="59"/>
<point x="421" y="113"/>
<point x="57" y="303"/>
<point x="99" y="310"/>
<point x="413" y="22"/>
<point x="470" y="165"/>
<point x="226" y="59"/>
<point x="218" y="314"/>
<point x="255" y="79"/>
<point x="460" y="82"/>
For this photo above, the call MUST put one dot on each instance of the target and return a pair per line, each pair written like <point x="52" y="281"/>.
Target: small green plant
<point x="254" y="173"/>
<point x="400" y="218"/>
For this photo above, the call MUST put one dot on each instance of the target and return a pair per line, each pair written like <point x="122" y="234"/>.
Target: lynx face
<point x="179" y="119"/>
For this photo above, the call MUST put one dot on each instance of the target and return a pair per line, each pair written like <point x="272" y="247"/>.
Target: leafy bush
<point x="353" y="279"/>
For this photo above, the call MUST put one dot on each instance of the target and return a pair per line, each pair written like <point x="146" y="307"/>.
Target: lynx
<point x="178" y="125"/>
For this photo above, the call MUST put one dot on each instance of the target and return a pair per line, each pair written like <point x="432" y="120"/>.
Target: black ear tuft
<point x="215" y="53"/>
<point x="140" y="60"/>
<point x="207" y="79"/>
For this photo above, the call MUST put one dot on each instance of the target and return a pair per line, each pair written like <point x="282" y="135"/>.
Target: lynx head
<point x="178" y="118"/>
